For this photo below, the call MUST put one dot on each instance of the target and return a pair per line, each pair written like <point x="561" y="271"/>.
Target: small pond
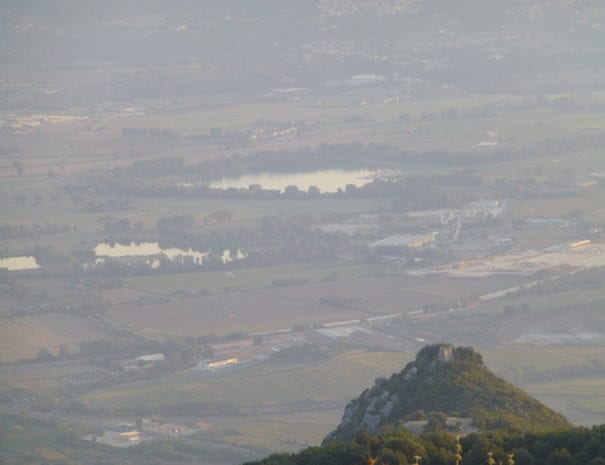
<point x="145" y="249"/>
<point x="19" y="263"/>
<point x="328" y="181"/>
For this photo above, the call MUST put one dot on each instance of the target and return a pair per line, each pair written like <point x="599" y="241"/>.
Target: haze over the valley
<point x="220" y="222"/>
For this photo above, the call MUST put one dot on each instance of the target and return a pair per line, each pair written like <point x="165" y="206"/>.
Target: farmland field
<point x="254" y="278"/>
<point x="22" y="337"/>
<point x="46" y="378"/>
<point x="581" y="399"/>
<point x="588" y="203"/>
<point x="227" y="312"/>
<point x="265" y="385"/>
<point x="279" y="431"/>
<point x="396" y="292"/>
<point x="276" y="308"/>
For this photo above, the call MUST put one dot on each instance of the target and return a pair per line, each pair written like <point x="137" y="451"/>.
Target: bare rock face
<point x="446" y="353"/>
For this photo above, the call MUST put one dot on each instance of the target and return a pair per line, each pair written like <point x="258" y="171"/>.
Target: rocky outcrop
<point x="447" y="379"/>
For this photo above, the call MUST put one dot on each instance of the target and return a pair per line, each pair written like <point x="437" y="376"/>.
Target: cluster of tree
<point x="108" y="350"/>
<point x="149" y="133"/>
<point x="287" y="282"/>
<point x="175" y="224"/>
<point x="112" y="355"/>
<point x="231" y="137"/>
<point x="409" y="193"/>
<point x="338" y="301"/>
<point x="44" y="355"/>
<point x="307" y="352"/>
<point x="10" y="231"/>
<point x="276" y="240"/>
<point x="36" y="200"/>
<point x="113" y="226"/>
<point x="157" y="167"/>
<point x="87" y="198"/>
<point x="354" y="155"/>
<point x="577" y="446"/>
<point x="108" y="205"/>
<point x="128" y="181"/>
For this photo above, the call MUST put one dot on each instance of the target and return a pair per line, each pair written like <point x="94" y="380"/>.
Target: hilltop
<point x="448" y="381"/>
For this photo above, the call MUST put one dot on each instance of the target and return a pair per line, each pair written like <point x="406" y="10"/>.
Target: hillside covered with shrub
<point x="446" y="381"/>
<point x="576" y="446"/>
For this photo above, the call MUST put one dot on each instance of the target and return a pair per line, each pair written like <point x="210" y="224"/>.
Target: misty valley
<point x="333" y="232"/>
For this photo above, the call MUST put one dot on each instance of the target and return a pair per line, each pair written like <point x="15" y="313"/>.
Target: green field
<point x="581" y="399"/>
<point x="19" y="434"/>
<point x="278" y="432"/>
<point x="264" y="385"/>
<point x="508" y="361"/>
<point x="541" y="238"/>
<point x="254" y="278"/>
<point x="580" y="164"/>
<point x="589" y="204"/>
<point x="549" y="302"/>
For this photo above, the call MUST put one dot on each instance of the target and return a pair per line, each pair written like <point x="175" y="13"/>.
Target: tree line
<point x="577" y="446"/>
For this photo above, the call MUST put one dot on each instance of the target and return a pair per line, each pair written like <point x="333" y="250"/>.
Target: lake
<point x="19" y="263"/>
<point x="145" y="249"/>
<point x="328" y="181"/>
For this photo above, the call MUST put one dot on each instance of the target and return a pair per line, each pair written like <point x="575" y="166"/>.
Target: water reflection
<point x="19" y="263"/>
<point x="145" y="249"/>
<point x="328" y="181"/>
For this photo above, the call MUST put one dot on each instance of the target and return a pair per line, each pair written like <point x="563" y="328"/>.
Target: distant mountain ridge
<point x="450" y="380"/>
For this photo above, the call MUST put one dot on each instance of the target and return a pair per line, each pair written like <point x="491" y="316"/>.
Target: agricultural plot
<point x="44" y="378"/>
<point x="252" y="278"/>
<point x="581" y="399"/>
<point x="287" y="432"/>
<point x="393" y="293"/>
<point x="511" y="360"/>
<point x="22" y="337"/>
<point x="261" y="386"/>
<point x="571" y="316"/>
<point x="274" y="308"/>
<point x="228" y="312"/>
<point x="589" y="203"/>
<point x="28" y="438"/>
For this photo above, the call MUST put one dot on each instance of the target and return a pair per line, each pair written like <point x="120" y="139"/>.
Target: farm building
<point x="143" y="361"/>
<point x="211" y="364"/>
<point x="405" y="240"/>
<point x="579" y="244"/>
<point x="130" y="436"/>
<point x="150" y="358"/>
